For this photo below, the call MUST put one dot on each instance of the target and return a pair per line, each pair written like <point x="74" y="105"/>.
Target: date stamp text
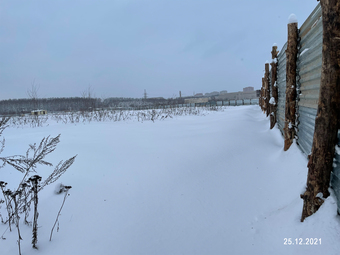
<point x="302" y="241"/>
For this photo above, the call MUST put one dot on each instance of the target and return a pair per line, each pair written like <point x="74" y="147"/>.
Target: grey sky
<point x="121" y="47"/>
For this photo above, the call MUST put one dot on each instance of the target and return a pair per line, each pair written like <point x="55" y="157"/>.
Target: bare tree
<point x="88" y="97"/>
<point x="32" y="93"/>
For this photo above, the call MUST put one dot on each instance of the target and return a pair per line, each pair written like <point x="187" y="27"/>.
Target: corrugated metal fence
<point x="281" y="87"/>
<point x="309" y="64"/>
<point x="309" y="76"/>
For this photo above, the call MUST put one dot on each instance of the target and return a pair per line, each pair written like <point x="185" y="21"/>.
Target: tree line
<point x="26" y="105"/>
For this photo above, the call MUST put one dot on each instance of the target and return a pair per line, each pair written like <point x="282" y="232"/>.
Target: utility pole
<point x="180" y="94"/>
<point x="145" y="94"/>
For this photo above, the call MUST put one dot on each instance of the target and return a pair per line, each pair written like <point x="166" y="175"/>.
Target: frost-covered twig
<point x="66" y="188"/>
<point x="16" y="214"/>
<point x="8" y="203"/>
<point x="35" y="182"/>
<point x="58" y="171"/>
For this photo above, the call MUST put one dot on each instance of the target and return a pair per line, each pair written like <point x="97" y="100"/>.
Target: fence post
<point x="274" y="99"/>
<point x="327" y="120"/>
<point x="291" y="55"/>
<point x="266" y="89"/>
<point x="262" y="95"/>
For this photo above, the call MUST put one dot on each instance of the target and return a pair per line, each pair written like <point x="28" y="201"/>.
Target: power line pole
<point x="145" y="94"/>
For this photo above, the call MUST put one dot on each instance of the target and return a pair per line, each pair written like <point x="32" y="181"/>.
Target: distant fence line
<point x="306" y="90"/>
<point x="205" y="104"/>
<point x="161" y="106"/>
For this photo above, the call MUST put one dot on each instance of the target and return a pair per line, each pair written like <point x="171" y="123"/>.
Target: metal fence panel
<point x="309" y="63"/>
<point x="306" y="128"/>
<point x="309" y="60"/>
<point x="281" y="85"/>
<point x="246" y="101"/>
<point x="239" y="102"/>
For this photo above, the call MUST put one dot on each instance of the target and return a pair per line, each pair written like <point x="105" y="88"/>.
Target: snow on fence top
<point x="292" y="18"/>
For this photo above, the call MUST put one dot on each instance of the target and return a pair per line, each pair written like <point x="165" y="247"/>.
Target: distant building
<point x="196" y="100"/>
<point x="248" y="89"/>
<point x="212" y="94"/>
<point x="38" y="112"/>
<point x="238" y="95"/>
<point x="247" y="93"/>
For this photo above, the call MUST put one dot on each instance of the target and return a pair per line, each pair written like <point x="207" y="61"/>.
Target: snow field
<point x="214" y="184"/>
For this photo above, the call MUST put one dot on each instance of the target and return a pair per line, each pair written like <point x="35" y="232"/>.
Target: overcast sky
<point x="121" y="47"/>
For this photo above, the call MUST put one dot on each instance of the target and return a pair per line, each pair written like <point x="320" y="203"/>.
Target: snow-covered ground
<point x="214" y="184"/>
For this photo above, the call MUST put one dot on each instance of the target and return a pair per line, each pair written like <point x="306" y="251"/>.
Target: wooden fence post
<point x="266" y="89"/>
<point x="291" y="55"/>
<point x="327" y="120"/>
<point x="274" y="99"/>
<point x="262" y="95"/>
